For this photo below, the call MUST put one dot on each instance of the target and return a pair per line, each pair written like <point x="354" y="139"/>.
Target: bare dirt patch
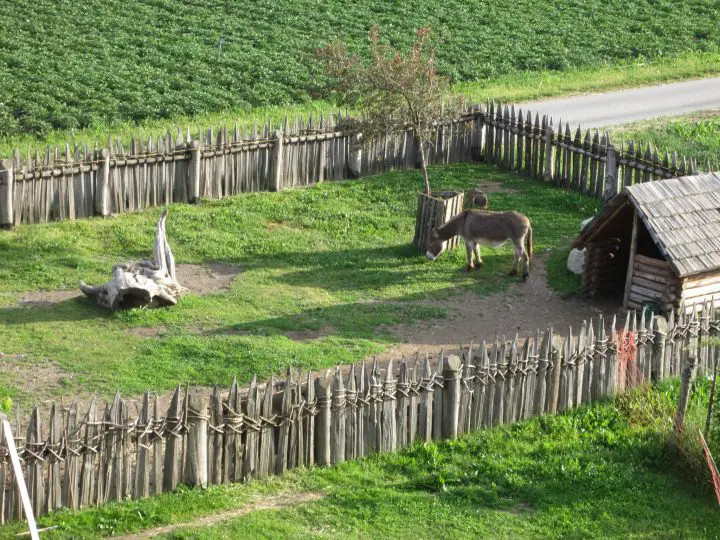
<point x="490" y="186"/>
<point x="270" y="503"/>
<point x="207" y="279"/>
<point x="522" y="308"/>
<point x="36" y="378"/>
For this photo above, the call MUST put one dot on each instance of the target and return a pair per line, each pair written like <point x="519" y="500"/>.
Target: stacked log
<point x="653" y="282"/>
<point x="604" y="271"/>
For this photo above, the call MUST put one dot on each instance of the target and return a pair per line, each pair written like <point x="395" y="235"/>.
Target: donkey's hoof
<point x="513" y="273"/>
<point x="477" y="267"/>
<point x="469" y="268"/>
<point x="526" y="276"/>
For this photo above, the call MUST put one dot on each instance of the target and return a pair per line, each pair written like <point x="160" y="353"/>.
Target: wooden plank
<point x="338" y="420"/>
<point x="437" y="430"/>
<point x="172" y="467"/>
<point x="351" y="416"/>
<point x="403" y="401"/>
<point x="157" y="469"/>
<point x="309" y="426"/>
<point x="143" y="430"/>
<point x="451" y="396"/>
<point x="425" y="413"/>
<point x="388" y="441"/>
<point x="196" y="464"/>
<point x="323" y="391"/>
<point x="633" y="249"/>
<point x="91" y="443"/>
<point x="285" y="421"/>
<point x="216" y="431"/>
<point x="414" y="401"/>
<point x="266" y="451"/>
<point x="34" y="463"/>
<point x="53" y="487"/>
<point x="362" y="411"/>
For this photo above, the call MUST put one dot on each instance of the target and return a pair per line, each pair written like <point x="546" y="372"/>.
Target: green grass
<point x="695" y="136"/>
<point x="596" y="472"/>
<point x="335" y="257"/>
<point x="112" y="62"/>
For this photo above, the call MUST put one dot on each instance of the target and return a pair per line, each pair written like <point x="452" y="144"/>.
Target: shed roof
<point x="682" y="216"/>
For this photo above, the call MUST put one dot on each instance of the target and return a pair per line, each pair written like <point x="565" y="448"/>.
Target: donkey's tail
<point x="529" y="243"/>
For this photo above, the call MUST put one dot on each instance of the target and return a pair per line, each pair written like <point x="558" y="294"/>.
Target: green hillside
<point x="69" y="65"/>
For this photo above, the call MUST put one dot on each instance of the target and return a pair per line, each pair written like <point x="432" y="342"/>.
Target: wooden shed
<point x="656" y="243"/>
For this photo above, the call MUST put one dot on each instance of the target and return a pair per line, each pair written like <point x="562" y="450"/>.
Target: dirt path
<point x="270" y="503"/>
<point x="522" y="308"/>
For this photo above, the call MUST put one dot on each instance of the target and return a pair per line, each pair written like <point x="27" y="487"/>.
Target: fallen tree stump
<point x="142" y="283"/>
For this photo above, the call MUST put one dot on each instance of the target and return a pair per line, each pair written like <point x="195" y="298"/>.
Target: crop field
<point x="322" y="273"/>
<point x="596" y="472"/>
<point x="68" y="65"/>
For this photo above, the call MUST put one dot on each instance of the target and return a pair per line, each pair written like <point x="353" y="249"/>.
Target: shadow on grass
<point x="75" y="309"/>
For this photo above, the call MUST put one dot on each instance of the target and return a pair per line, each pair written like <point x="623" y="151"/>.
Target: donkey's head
<point x="436" y="246"/>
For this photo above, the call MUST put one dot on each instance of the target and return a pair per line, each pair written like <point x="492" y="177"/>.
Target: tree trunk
<point x="423" y="166"/>
<point x="142" y="283"/>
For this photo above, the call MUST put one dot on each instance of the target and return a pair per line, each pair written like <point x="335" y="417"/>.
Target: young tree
<point x="392" y="91"/>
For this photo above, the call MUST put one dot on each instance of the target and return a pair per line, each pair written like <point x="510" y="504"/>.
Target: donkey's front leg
<point x="478" y="259"/>
<point x="518" y="256"/>
<point x="469" y="250"/>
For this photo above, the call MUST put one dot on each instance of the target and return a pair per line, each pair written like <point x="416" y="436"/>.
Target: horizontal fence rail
<point x="122" y="450"/>
<point x="74" y="183"/>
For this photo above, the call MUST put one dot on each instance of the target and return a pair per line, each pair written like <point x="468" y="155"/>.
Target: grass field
<point x="597" y="472"/>
<point x="335" y="257"/>
<point x="112" y="62"/>
<point x="696" y="135"/>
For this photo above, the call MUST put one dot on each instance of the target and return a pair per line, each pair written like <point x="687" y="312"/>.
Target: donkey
<point x="489" y="229"/>
<point x="477" y="199"/>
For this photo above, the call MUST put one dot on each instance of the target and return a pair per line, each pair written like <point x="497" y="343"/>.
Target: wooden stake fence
<point x="80" y="182"/>
<point x="75" y="461"/>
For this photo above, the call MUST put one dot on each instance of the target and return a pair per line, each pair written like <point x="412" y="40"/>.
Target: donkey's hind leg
<point x="526" y="261"/>
<point x="478" y="258"/>
<point x="469" y="249"/>
<point x="518" y="256"/>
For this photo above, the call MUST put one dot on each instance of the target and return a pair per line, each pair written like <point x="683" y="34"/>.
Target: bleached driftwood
<point x="142" y="283"/>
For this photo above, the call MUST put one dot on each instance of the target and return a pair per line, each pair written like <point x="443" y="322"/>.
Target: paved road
<point x="612" y="108"/>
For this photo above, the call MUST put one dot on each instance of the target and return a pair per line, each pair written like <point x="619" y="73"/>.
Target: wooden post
<point x="426" y="403"/>
<point x="277" y="162"/>
<point x="7" y="183"/>
<point x="142" y="462"/>
<point x="338" y="420"/>
<point x="631" y="262"/>
<point x="548" y="172"/>
<point x="102" y="191"/>
<point x="688" y="371"/>
<point x="451" y="396"/>
<point x="611" y="174"/>
<point x="541" y="381"/>
<point x="553" y="388"/>
<point x="388" y="436"/>
<point x="323" y="391"/>
<point x="174" y="443"/>
<point x="196" y="470"/>
<point x="194" y="187"/>
<point x="355" y="156"/>
<point x="658" y="362"/>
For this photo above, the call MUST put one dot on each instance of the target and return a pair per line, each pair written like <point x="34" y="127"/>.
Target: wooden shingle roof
<point x="682" y="216"/>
